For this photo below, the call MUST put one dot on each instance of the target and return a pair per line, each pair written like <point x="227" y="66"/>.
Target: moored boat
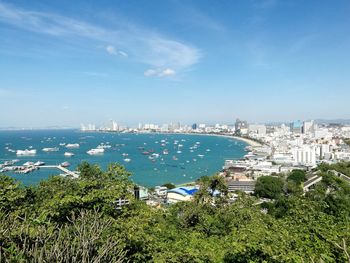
<point x="95" y="151"/>
<point x="26" y="152"/>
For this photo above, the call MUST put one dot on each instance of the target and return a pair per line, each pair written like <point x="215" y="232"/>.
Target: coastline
<point x="246" y="140"/>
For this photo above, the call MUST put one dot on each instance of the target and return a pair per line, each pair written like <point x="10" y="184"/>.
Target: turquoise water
<point x="175" y="167"/>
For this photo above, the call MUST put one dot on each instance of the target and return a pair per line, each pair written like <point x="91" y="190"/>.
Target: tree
<point x="297" y="176"/>
<point x="269" y="187"/>
<point x="169" y="185"/>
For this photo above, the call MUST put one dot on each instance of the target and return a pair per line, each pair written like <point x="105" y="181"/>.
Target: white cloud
<point x="150" y="72"/>
<point x="111" y="50"/>
<point x="122" y="53"/>
<point x="167" y="72"/>
<point x="143" y="45"/>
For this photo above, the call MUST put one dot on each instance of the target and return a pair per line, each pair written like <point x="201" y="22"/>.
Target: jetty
<point x="63" y="169"/>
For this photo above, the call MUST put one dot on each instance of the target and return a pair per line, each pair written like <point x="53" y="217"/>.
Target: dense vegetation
<point x="347" y="141"/>
<point x="77" y="220"/>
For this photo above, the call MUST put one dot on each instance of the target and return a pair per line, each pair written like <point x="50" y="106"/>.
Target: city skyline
<point x="66" y="63"/>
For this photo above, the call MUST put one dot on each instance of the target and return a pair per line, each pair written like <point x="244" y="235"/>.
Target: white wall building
<point x="304" y="155"/>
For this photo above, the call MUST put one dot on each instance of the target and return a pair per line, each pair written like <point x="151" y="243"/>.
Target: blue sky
<point x="67" y="62"/>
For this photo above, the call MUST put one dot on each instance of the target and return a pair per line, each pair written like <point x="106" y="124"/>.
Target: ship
<point x="26" y="152"/>
<point x="54" y="149"/>
<point x="95" y="151"/>
<point x="68" y="154"/>
<point x="72" y="145"/>
<point x="39" y="163"/>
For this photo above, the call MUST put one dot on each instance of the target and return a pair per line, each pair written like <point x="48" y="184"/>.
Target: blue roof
<point x="189" y="190"/>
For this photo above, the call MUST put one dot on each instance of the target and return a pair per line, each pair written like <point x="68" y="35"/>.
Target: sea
<point x="189" y="156"/>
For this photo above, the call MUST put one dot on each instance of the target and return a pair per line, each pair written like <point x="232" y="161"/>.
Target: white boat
<point x="200" y="155"/>
<point x="54" y="149"/>
<point x="62" y="144"/>
<point x="68" y="154"/>
<point x="127" y="160"/>
<point x="26" y="152"/>
<point x="39" y="163"/>
<point x="208" y="150"/>
<point x="72" y="145"/>
<point x="65" y="164"/>
<point x="165" y="152"/>
<point x="179" y="151"/>
<point x="104" y="146"/>
<point x="28" y="164"/>
<point x="95" y="151"/>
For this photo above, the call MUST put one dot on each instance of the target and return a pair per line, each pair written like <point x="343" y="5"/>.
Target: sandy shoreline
<point x="246" y="140"/>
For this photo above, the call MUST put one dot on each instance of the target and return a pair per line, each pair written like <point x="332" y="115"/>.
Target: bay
<point x="189" y="156"/>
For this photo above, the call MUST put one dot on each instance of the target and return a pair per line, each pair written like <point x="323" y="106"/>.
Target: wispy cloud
<point x="159" y="72"/>
<point x="193" y="16"/>
<point x="113" y="51"/>
<point x="139" y="44"/>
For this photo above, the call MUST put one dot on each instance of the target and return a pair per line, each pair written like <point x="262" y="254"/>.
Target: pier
<point x="63" y="169"/>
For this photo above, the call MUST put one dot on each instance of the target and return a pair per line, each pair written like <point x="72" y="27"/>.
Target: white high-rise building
<point x="259" y="129"/>
<point x="304" y="155"/>
<point x="115" y="126"/>
<point x="308" y="127"/>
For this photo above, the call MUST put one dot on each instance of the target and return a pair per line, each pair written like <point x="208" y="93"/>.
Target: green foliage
<point x="297" y="176"/>
<point x="169" y="185"/>
<point x="269" y="187"/>
<point x="347" y="141"/>
<point x="74" y="220"/>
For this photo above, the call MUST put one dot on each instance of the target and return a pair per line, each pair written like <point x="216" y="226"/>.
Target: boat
<point x="175" y="158"/>
<point x="145" y="153"/>
<point x="26" y="152"/>
<point x="208" y="150"/>
<point x="65" y="164"/>
<point x="104" y="146"/>
<point x="72" y="145"/>
<point x="28" y="164"/>
<point x="155" y="155"/>
<point x="68" y="154"/>
<point x="125" y="154"/>
<point x="200" y="155"/>
<point x="127" y="160"/>
<point x="179" y="151"/>
<point x="165" y="152"/>
<point x="62" y="144"/>
<point x="95" y="151"/>
<point x="39" y="163"/>
<point x="54" y="149"/>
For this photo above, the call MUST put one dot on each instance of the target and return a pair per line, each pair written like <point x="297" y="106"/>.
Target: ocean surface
<point x="189" y="156"/>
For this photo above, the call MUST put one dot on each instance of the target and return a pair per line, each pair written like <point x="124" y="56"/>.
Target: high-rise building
<point x="240" y="125"/>
<point x="259" y="129"/>
<point x="194" y="126"/>
<point x="296" y="127"/>
<point x="304" y="155"/>
<point x="308" y="127"/>
<point x="115" y="126"/>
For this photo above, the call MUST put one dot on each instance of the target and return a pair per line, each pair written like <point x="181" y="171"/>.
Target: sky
<point x="69" y="62"/>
